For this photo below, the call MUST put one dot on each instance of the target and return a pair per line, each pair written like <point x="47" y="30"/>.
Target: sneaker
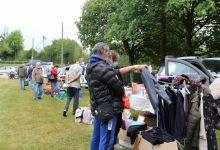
<point x="64" y="114"/>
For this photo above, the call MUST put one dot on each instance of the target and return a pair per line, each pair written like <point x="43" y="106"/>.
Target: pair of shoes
<point x="39" y="98"/>
<point x="64" y="114"/>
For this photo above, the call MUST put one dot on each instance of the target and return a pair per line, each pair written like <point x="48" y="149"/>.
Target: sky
<point x="38" y="18"/>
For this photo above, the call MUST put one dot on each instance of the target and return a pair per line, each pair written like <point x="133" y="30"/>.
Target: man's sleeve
<point x="109" y="76"/>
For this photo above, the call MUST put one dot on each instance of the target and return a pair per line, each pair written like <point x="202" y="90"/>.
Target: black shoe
<point x="64" y="114"/>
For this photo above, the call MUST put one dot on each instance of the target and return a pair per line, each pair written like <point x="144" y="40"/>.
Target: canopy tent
<point x="33" y="62"/>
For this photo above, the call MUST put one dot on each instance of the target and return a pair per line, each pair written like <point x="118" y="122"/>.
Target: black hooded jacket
<point x="104" y="85"/>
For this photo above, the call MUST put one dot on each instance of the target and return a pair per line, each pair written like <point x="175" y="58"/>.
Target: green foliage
<point x="148" y="30"/>
<point x="5" y="51"/>
<point x="71" y="51"/>
<point x="198" y="19"/>
<point x="15" y="42"/>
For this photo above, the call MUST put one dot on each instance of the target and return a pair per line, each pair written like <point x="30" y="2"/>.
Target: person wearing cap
<point x="38" y="79"/>
<point x="22" y="73"/>
<point x="106" y="91"/>
<point x="54" y="82"/>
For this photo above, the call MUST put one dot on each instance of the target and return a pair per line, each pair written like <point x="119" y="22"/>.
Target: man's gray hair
<point x="99" y="47"/>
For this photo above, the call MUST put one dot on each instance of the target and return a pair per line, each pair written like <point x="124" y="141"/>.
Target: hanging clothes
<point x="166" y="113"/>
<point x="193" y="121"/>
<point x="180" y="119"/>
<point x="202" y="135"/>
<point x="153" y="89"/>
<point x="210" y="111"/>
<point x="171" y="117"/>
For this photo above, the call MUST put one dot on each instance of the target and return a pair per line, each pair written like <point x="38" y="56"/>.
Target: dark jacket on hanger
<point x="172" y="117"/>
<point x="180" y="119"/>
<point x="153" y="88"/>
<point x="210" y="112"/>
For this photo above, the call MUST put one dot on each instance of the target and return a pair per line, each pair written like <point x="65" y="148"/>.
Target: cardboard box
<point x="145" y="145"/>
<point x="124" y="140"/>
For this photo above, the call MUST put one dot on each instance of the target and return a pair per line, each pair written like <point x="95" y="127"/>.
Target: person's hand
<point x="140" y="67"/>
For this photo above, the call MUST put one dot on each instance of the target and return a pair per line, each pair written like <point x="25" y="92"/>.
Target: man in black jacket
<point x="106" y="91"/>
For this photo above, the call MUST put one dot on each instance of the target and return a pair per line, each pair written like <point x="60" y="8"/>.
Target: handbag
<point x="105" y="111"/>
<point x="51" y="77"/>
<point x="66" y="85"/>
<point x="26" y="83"/>
<point x="125" y="102"/>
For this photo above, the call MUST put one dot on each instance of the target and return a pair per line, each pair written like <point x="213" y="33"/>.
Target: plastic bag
<point x="140" y="103"/>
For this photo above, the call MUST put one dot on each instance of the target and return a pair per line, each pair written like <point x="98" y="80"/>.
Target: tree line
<point x="12" y="48"/>
<point x="148" y="30"/>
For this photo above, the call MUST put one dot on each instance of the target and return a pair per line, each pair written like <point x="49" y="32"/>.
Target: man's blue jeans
<point x="38" y="90"/>
<point x="22" y="83"/>
<point x="103" y="134"/>
<point x="55" y="85"/>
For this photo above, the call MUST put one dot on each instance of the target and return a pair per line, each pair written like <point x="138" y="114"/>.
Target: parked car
<point x="193" y="66"/>
<point x="83" y="81"/>
<point x="7" y="69"/>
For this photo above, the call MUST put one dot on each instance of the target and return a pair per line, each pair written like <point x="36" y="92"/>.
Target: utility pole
<point x="32" y="58"/>
<point x="62" y="47"/>
<point x="44" y="38"/>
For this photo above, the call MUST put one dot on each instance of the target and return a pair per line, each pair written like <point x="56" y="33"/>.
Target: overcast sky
<point x="38" y="18"/>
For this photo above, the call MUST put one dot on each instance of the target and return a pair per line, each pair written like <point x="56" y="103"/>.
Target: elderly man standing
<point x="106" y="91"/>
<point x="38" y="79"/>
<point x="22" y="73"/>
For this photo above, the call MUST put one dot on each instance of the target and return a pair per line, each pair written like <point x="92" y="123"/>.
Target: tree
<point x="5" y="51"/>
<point x="115" y="22"/>
<point x="15" y="42"/>
<point x="71" y="51"/>
<point x="195" y="16"/>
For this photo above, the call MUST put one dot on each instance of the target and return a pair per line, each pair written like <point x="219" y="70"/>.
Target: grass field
<point x="26" y="124"/>
<point x="29" y="124"/>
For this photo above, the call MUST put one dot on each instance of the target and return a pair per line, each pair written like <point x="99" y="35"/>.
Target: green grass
<point x="218" y="138"/>
<point x="26" y="124"/>
<point x="29" y="124"/>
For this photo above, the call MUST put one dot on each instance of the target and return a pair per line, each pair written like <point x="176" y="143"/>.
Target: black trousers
<point x="118" y="126"/>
